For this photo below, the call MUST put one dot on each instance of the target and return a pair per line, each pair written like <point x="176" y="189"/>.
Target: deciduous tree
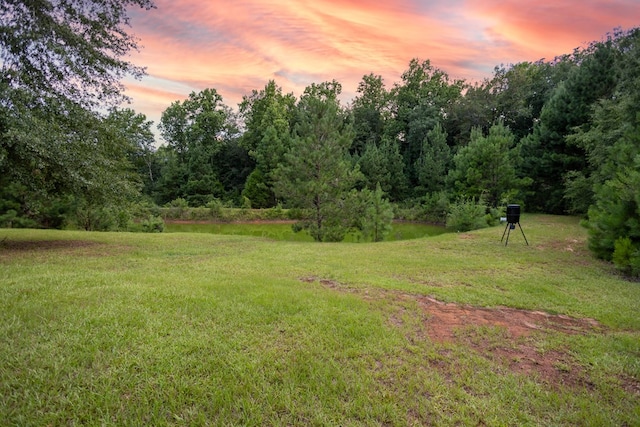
<point x="59" y="61"/>
<point x="486" y="167"/>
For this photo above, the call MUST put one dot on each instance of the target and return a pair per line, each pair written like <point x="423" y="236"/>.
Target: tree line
<point x="559" y="136"/>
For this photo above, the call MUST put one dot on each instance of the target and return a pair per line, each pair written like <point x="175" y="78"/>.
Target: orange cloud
<point x="547" y="28"/>
<point x="235" y="47"/>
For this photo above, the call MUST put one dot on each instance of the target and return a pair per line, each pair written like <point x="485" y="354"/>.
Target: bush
<point x="467" y="215"/>
<point x="152" y="224"/>
<point x="257" y="191"/>
<point x="275" y="213"/>
<point x="10" y="219"/>
<point x="215" y="208"/>
<point x="297" y="214"/>
<point x="626" y="256"/>
<point x="435" y="207"/>
<point x="144" y="208"/>
<point x="198" y="214"/>
<point x="90" y="218"/>
<point x="176" y="208"/>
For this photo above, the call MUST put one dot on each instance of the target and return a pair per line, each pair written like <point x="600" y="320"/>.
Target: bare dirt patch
<point x="502" y="334"/>
<point x="445" y="318"/>
<point x="42" y="245"/>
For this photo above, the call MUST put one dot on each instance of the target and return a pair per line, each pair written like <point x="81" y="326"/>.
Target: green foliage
<point x="486" y="167"/>
<point x="370" y="112"/>
<point x="215" y="207"/>
<point x="297" y="213"/>
<point x="177" y="207"/>
<point x="137" y="140"/>
<point x="375" y="215"/>
<point x="434" y="161"/>
<point x="616" y="213"/>
<point x="61" y="149"/>
<point x="417" y="105"/>
<point x="237" y="330"/>
<point x="626" y="256"/>
<point x="315" y="174"/>
<point x="152" y="224"/>
<point x="258" y="191"/>
<point x="548" y="155"/>
<point x="62" y="63"/>
<point x="268" y="116"/>
<point x="179" y="203"/>
<point x="578" y="192"/>
<point x="14" y="205"/>
<point x="98" y="218"/>
<point x="467" y="215"/>
<point x="144" y="208"/>
<point x="435" y="207"/>
<point x="74" y="50"/>
<point x="201" y="138"/>
<point x="10" y="219"/>
<point x="612" y="144"/>
<point x="383" y="164"/>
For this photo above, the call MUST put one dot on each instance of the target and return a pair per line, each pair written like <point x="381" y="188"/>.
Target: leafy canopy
<point x="68" y="49"/>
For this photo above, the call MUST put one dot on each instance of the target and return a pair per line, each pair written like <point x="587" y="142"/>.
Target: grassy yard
<point x="283" y="230"/>
<point x="202" y="329"/>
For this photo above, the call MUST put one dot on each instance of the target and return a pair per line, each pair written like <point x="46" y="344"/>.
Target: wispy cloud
<point x="234" y="47"/>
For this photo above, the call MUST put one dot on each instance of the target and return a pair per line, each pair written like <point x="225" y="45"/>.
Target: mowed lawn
<point x="201" y="329"/>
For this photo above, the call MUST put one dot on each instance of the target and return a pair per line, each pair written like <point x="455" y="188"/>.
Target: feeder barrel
<point x="513" y="214"/>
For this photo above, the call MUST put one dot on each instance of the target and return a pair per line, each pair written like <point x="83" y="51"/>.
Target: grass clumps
<point x="202" y="329"/>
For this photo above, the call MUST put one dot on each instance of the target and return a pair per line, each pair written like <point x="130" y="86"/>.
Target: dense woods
<point x="559" y="136"/>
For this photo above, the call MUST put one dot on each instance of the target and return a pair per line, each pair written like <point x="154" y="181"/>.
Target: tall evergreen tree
<point x="376" y="216"/>
<point x="268" y="116"/>
<point x="370" y="109"/>
<point x="315" y="174"/>
<point x="384" y="165"/>
<point x="433" y="164"/>
<point x="612" y="144"/>
<point x="547" y="155"/>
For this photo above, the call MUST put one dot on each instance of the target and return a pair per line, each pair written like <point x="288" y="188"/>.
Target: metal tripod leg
<point x="509" y="233"/>
<point x="525" y="237"/>
<point x="505" y="232"/>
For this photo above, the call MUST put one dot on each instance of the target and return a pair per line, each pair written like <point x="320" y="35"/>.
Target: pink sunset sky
<point x="237" y="46"/>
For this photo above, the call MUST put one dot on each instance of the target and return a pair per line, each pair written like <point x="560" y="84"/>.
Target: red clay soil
<point x="446" y="318"/>
<point x="447" y="322"/>
<point x="510" y="345"/>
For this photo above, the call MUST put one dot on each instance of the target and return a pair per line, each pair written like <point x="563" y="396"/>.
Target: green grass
<point x="203" y="329"/>
<point x="284" y="231"/>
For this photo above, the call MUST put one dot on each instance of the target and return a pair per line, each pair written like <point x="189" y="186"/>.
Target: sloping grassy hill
<point x="199" y="329"/>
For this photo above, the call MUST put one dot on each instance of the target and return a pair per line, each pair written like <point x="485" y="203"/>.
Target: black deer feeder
<point x="513" y="218"/>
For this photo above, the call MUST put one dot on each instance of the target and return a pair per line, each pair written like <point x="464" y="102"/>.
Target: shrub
<point x="152" y="224"/>
<point x="215" y="208"/>
<point x="626" y="256"/>
<point x="467" y="215"/>
<point x="435" y="207"/>
<point x="176" y="208"/>
<point x="144" y="208"/>
<point x="199" y="214"/>
<point x="275" y="212"/>
<point x="297" y="213"/>
<point x="10" y="219"/>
